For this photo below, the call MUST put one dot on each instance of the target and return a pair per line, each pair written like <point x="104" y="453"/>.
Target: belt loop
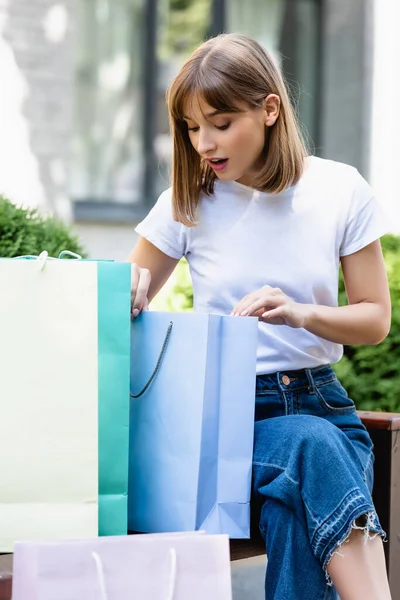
<point x="278" y="379"/>
<point x="311" y="384"/>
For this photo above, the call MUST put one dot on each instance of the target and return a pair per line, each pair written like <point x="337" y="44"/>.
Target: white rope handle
<point x="41" y="259"/>
<point x="102" y="582"/>
<point x="172" y="579"/>
<point x="69" y="253"/>
<point x="44" y="256"/>
<point x="100" y="576"/>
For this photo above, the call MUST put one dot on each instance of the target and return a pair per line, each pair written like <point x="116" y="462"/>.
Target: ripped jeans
<point x="312" y="479"/>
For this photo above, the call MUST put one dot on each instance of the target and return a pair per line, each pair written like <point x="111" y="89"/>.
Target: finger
<point x="255" y="297"/>
<point x="135" y="312"/>
<point x="258" y="305"/>
<point x="241" y="305"/>
<point x="267" y="302"/>
<point x="135" y="276"/>
<point x="275" y="315"/>
<point x="249" y="301"/>
<point x="141" y="291"/>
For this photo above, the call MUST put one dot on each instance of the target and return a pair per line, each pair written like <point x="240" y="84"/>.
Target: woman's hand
<point x="271" y="305"/>
<point x="140" y="283"/>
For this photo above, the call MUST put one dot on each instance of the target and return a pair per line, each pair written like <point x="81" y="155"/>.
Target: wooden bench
<point x="5" y="576"/>
<point x="384" y="429"/>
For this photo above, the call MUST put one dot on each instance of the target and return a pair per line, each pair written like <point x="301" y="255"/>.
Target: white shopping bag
<point x="64" y="398"/>
<point x="140" y="567"/>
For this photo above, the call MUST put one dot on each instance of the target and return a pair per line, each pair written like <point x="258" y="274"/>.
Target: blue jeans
<point x="312" y="479"/>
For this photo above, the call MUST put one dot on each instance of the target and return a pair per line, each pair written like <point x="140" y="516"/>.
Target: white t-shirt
<point x="294" y="240"/>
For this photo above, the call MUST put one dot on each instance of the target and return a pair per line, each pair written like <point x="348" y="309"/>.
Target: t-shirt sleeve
<point x="366" y="219"/>
<point x="160" y="228"/>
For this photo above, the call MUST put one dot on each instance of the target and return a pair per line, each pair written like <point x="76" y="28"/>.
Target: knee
<point x="287" y="448"/>
<point x="316" y="428"/>
<point x="319" y="437"/>
<point x="310" y="430"/>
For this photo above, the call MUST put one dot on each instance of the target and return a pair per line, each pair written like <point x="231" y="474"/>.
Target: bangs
<point x="213" y="86"/>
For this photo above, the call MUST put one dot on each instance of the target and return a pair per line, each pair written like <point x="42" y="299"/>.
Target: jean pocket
<point x="333" y="397"/>
<point x="269" y="404"/>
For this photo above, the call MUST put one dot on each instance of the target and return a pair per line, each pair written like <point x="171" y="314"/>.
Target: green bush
<point x="177" y="294"/>
<point x="23" y="231"/>
<point x="371" y="374"/>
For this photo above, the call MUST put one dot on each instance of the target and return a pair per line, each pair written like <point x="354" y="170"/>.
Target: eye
<point x="223" y="127"/>
<point x="193" y="128"/>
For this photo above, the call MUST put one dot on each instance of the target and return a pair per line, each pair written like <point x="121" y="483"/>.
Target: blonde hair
<point x="224" y="71"/>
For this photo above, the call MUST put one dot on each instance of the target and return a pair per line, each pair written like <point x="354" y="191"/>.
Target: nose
<point x="205" y="144"/>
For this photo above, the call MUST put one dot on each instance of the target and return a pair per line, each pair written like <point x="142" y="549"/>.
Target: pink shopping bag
<point x="138" y="567"/>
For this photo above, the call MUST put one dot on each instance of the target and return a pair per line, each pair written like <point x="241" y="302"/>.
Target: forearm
<point x="365" y="323"/>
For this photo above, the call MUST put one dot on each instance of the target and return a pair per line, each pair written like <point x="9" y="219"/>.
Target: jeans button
<point x="286" y="380"/>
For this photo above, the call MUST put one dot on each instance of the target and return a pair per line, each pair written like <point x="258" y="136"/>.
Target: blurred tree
<point x="187" y="24"/>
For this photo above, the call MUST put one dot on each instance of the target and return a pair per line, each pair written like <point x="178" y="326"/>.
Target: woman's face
<point x="232" y="143"/>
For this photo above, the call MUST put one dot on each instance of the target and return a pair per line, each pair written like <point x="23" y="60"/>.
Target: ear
<point x="272" y="105"/>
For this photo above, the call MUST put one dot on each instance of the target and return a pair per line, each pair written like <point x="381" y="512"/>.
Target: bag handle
<point x="157" y="367"/>
<point x="69" y="253"/>
<point x="102" y="582"/>
<point x="43" y="256"/>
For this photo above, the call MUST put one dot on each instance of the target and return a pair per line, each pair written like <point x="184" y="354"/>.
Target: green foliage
<point x="187" y="24"/>
<point x="371" y="374"/>
<point x="23" y="231"/>
<point x="177" y="296"/>
<point x="182" y="298"/>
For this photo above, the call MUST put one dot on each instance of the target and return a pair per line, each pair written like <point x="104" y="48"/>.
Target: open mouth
<point x="218" y="164"/>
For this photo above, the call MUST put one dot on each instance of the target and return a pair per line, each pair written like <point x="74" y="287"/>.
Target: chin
<point x="227" y="176"/>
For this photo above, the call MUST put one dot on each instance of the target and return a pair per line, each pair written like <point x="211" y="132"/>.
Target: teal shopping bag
<point x="64" y="398"/>
<point x="114" y="297"/>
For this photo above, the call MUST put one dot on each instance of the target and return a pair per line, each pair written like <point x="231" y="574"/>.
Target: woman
<point x="264" y="228"/>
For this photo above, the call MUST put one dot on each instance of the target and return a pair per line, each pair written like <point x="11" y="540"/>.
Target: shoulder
<point x="165" y="198"/>
<point x="160" y="228"/>
<point x="341" y="183"/>
<point x="161" y="212"/>
<point x="332" y="171"/>
<point x="163" y="208"/>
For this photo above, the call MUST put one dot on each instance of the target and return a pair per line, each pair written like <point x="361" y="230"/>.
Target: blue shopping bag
<point x="191" y="423"/>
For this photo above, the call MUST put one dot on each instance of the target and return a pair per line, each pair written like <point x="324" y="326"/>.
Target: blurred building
<point x="83" y="122"/>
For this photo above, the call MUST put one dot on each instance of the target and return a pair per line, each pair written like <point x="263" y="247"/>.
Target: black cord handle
<point x="157" y="367"/>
